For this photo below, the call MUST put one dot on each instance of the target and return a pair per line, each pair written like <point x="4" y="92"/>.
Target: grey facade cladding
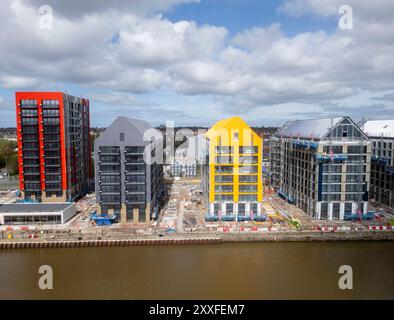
<point x="381" y="135"/>
<point x="127" y="183"/>
<point x="78" y="149"/>
<point x="323" y="167"/>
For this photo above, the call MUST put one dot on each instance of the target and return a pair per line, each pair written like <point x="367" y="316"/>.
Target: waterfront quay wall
<point x="40" y="244"/>
<point x="199" y="239"/>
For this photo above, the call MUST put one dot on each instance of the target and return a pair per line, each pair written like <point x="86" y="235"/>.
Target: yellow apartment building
<point x="234" y="171"/>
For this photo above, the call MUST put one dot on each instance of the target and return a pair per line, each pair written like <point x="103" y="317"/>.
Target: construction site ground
<point x="183" y="212"/>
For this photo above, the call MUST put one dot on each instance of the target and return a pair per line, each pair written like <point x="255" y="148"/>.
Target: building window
<point x="241" y="209"/>
<point x="229" y="209"/>
<point x="335" y="211"/>
<point x="324" y="211"/>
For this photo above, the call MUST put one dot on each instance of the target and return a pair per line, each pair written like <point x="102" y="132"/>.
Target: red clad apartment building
<point x="54" y="147"/>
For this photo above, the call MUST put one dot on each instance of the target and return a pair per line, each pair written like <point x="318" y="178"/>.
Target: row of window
<point x="51" y="113"/>
<point x="50" y="121"/>
<point x="357" y="197"/>
<point x="350" y="149"/>
<point x="29" y="113"/>
<point x="241" y="169"/>
<point x="338" y="187"/>
<point x="242" y="150"/>
<point x="331" y="168"/>
<point x="28" y="103"/>
<point x="229" y="208"/>
<point x="337" y="178"/>
<point x="241" y="178"/>
<point x="241" y="197"/>
<point x="45" y="219"/>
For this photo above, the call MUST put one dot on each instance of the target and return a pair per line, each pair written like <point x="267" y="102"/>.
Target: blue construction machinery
<point x="305" y="144"/>
<point x="27" y="201"/>
<point x="102" y="220"/>
<point x="244" y="218"/>
<point x="210" y="217"/>
<point x="328" y="157"/>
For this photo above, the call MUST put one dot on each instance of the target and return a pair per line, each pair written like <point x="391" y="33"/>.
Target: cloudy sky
<point x="194" y="62"/>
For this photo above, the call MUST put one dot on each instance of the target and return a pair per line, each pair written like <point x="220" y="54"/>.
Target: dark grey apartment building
<point x="322" y="166"/>
<point x="128" y="184"/>
<point x="381" y="135"/>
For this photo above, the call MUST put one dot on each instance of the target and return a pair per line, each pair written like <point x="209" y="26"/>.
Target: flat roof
<point x="34" y="207"/>
<point x="379" y="128"/>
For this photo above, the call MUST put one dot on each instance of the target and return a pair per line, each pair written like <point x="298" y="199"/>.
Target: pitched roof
<point x="229" y="124"/>
<point x="133" y="130"/>
<point x="379" y="128"/>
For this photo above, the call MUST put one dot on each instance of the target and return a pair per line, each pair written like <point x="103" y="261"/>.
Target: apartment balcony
<point x="30" y="148"/>
<point x="109" y="193"/>
<point x="35" y="189"/>
<point x="109" y="202"/>
<point x="31" y="173"/>
<point x="134" y="162"/>
<point x="54" y="173"/>
<point x="305" y="144"/>
<point x="135" y="201"/>
<point x="135" y="172"/>
<point x="109" y="172"/>
<point x="248" y="150"/>
<point x="224" y="150"/>
<point x="248" y="170"/>
<point x="108" y="163"/>
<point x="108" y="153"/>
<point x="114" y="183"/>
<point x="29" y="140"/>
<point x="134" y="182"/>
<point x="53" y="189"/>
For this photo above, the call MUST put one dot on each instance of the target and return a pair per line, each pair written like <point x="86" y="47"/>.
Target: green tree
<point x="8" y="155"/>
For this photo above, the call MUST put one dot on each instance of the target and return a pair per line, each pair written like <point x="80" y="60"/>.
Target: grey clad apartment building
<point x="127" y="184"/>
<point x="322" y="166"/>
<point x="381" y="135"/>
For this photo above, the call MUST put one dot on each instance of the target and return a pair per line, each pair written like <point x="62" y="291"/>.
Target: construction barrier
<point x="383" y="228"/>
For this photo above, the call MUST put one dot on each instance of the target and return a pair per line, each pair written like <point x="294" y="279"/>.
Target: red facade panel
<point x="44" y="118"/>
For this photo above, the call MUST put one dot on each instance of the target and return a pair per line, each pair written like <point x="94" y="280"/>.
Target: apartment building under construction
<point x="322" y="166"/>
<point x="381" y="135"/>
<point x="232" y="180"/>
<point x="128" y="180"/>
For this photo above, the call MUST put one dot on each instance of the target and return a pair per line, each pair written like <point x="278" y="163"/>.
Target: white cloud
<point x="110" y="47"/>
<point x="74" y="9"/>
